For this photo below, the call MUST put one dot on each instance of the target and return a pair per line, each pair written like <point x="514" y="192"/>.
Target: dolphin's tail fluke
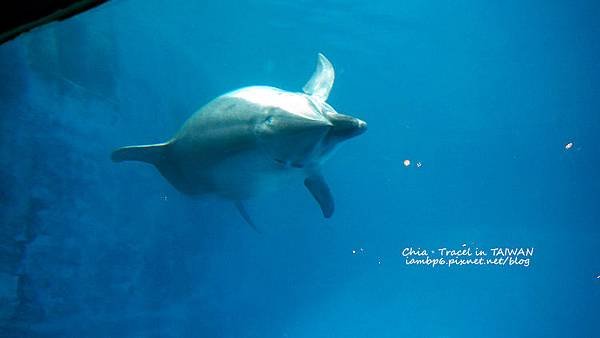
<point x="152" y="153"/>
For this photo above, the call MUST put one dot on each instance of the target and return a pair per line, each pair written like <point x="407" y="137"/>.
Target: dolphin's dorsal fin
<point x="322" y="79"/>
<point x="315" y="183"/>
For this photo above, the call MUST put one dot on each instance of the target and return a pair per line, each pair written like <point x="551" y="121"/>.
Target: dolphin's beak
<point x="345" y="126"/>
<point x="361" y="125"/>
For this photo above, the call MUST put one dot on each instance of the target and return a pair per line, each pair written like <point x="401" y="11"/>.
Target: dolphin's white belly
<point x="250" y="174"/>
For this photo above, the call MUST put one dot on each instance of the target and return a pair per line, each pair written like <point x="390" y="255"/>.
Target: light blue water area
<point x="483" y="95"/>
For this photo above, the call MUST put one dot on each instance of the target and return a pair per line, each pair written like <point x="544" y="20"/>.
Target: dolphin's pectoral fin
<point x="322" y="79"/>
<point x="242" y="210"/>
<point x="320" y="190"/>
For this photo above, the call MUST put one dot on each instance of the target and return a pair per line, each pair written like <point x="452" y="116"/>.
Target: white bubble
<point x="569" y="146"/>
<point x="406" y="163"/>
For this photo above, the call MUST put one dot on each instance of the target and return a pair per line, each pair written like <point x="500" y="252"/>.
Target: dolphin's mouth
<point x="362" y="125"/>
<point x="345" y="126"/>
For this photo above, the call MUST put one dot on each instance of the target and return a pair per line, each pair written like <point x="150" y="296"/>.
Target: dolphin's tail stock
<point x="152" y="153"/>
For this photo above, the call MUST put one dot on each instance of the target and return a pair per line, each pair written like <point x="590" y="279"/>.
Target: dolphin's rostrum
<point x="249" y="140"/>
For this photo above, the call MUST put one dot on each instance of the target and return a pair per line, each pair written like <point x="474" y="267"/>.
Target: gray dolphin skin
<point x="253" y="140"/>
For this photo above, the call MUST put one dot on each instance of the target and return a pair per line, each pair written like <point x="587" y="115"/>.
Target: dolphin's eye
<point x="269" y="120"/>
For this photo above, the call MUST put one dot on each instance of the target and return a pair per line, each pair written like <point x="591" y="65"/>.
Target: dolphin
<point x="252" y="140"/>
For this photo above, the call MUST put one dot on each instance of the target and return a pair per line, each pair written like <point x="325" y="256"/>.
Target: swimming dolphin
<point x="249" y="140"/>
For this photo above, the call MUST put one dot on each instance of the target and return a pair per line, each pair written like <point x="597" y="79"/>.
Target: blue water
<point x="485" y="95"/>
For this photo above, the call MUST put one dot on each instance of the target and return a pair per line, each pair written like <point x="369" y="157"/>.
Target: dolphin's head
<point x="301" y="128"/>
<point x="306" y="134"/>
<point x="293" y="138"/>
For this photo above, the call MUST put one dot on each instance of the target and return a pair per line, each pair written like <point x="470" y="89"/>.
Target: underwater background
<point x="484" y="95"/>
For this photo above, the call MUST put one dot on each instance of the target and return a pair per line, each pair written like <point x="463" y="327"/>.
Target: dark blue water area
<point x="484" y="95"/>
